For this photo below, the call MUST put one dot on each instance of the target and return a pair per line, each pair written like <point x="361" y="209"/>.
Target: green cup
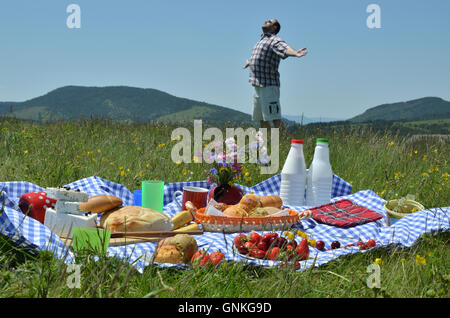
<point x="153" y="194"/>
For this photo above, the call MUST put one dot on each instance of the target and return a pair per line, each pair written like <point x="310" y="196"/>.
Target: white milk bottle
<point x="320" y="176"/>
<point x="293" y="176"/>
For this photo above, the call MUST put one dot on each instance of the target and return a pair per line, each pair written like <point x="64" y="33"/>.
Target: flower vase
<point x="226" y="194"/>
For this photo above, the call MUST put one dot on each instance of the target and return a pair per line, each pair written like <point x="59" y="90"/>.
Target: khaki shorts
<point x="266" y="103"/>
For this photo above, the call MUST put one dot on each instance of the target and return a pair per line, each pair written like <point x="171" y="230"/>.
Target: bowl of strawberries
<point x="271" y="246"/>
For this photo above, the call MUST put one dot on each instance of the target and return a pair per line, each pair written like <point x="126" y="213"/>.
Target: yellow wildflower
<point x="416" y="152"/>
<point x="6" y="128"/>
<point x="26" y="152"/>
<point x="122" y="173"/>
<point x="185" y="171"/>
<point x="98" y="150"/>
<point x="425" y="174"/>
<point x="178" y="162"/>
<point x="391" y="144"/>
<point x="161" y="145"/>
<point x="420" y="260"/>
<point x="378" y="261"/>
<point x="195" y="159"/>
<point x="121" y="168"/>
<point x="147" y="165"/>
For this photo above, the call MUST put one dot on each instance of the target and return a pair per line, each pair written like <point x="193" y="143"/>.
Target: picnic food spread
<point x="253" y="205"/>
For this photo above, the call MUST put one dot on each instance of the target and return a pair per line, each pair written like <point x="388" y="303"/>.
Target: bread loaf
<point x="135" y="219"/>
<point x="271" y="200"/>
<point x="101" y="203"/>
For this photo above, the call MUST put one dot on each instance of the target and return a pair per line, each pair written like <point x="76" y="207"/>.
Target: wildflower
<point x="213" y="171"/>
<point x="161" y="145"/>
<point x="435" y="151"/>
<point x="147" y="165"/>
<point x="94" y="159"/>
<point x="98" y="150"/>
<point x="430" y="254"/>
<point x="138" y="148"/>
<point x="425" y="175"/>
<point x="185" y="171"/>
<point x="378" y="261"/>
<point x="420" y="260"/>
<point x="121" y="168"/>
<point x="416" y="152"/>
<point x="5" y="129"/>
<point x="289" y="235"/>
<point x="26" y="152"/>
<point x="178" y="162"/>
<point x="122" y="173"/>
<point x="140" y="174"/>
<point x="391" y="144"/>
<point x="195" y="159"/>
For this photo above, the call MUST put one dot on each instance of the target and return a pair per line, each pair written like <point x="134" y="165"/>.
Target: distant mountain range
<point x="419" y="109"/>
<point x="117" y="103"/>
<point x="307" y="120"/>
<point x="133" y="104"/>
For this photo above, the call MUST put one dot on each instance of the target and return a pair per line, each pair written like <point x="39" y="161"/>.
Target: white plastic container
<point x="320" y="176"/>
<point x="293" y="176"/>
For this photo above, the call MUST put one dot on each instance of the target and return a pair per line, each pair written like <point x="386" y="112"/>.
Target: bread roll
<point x="169" y="254"/>
<point x="135" y="219"/>
<point x="100" y="203"/>
<point x="250" y="202"/>
<point x="185" y="244"/>
<point x="236" y="211"/>
<point x="271" y="200"/>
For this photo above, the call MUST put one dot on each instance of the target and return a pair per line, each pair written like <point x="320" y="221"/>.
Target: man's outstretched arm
<point x="291" y="52"/>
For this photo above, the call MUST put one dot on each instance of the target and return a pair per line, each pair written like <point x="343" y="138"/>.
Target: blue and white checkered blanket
<point x="32" y="235"/>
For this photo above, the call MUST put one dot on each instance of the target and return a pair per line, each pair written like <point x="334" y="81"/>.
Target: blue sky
<point x="196" y="49"/>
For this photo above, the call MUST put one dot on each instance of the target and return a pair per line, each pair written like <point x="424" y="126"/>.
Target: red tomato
<point x="216" y="257"/>
<point x="240" y="240"/>
<point x="254" y="237"/>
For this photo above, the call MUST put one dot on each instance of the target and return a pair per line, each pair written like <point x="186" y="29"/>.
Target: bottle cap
<point x="296" y="141"/>
<point x="322" y="140"/>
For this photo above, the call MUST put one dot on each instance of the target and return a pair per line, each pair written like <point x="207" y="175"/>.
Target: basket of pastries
<point x="252" y="213"/>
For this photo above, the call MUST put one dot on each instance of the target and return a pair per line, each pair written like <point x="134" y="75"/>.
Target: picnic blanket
<point x="31" y="234"/>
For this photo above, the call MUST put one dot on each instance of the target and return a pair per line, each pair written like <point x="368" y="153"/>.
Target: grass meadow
<point x="392" y="165"/>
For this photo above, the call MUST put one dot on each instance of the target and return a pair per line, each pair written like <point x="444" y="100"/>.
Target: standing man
<point x="264" y="74"/>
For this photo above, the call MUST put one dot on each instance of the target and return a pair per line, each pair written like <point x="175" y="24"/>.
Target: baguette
<point x="101" y="203"/>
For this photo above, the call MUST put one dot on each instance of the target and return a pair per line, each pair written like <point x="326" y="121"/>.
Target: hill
<point x="117" y="103"/>
<point x="419" y="109"/>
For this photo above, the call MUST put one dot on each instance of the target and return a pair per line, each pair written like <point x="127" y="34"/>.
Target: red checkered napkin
<point x="344" y="213"/>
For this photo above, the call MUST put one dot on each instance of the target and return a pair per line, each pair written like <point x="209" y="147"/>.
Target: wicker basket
<point x="408" y="207"/>
<point x="228" y="224"/>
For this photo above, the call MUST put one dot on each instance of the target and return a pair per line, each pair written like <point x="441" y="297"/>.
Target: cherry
<point x="320" y="245"/>
<point x="335" y="244"/>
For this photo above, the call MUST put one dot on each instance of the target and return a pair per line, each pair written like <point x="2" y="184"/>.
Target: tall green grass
<point x="59" y="153"/>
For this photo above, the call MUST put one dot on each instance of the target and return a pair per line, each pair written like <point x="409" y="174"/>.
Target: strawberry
<point x="272" y="254"/>
<point x="216" y="257"/>
<point x="303" y="249"/>
<point x="254" y="237"/>
<point x="263" y="245"/>
<point x="200" y="258"/>
<point x="240" y="240"/>
<point x="371" y="243"/>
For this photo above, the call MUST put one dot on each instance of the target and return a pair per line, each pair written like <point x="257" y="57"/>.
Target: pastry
<point x="169" y="254"/>
<point x="101" y="203"/>
<point x="135" y="219"/>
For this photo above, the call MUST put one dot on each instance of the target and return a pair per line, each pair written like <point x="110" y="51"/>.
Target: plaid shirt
<point x="265" y="59"/>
